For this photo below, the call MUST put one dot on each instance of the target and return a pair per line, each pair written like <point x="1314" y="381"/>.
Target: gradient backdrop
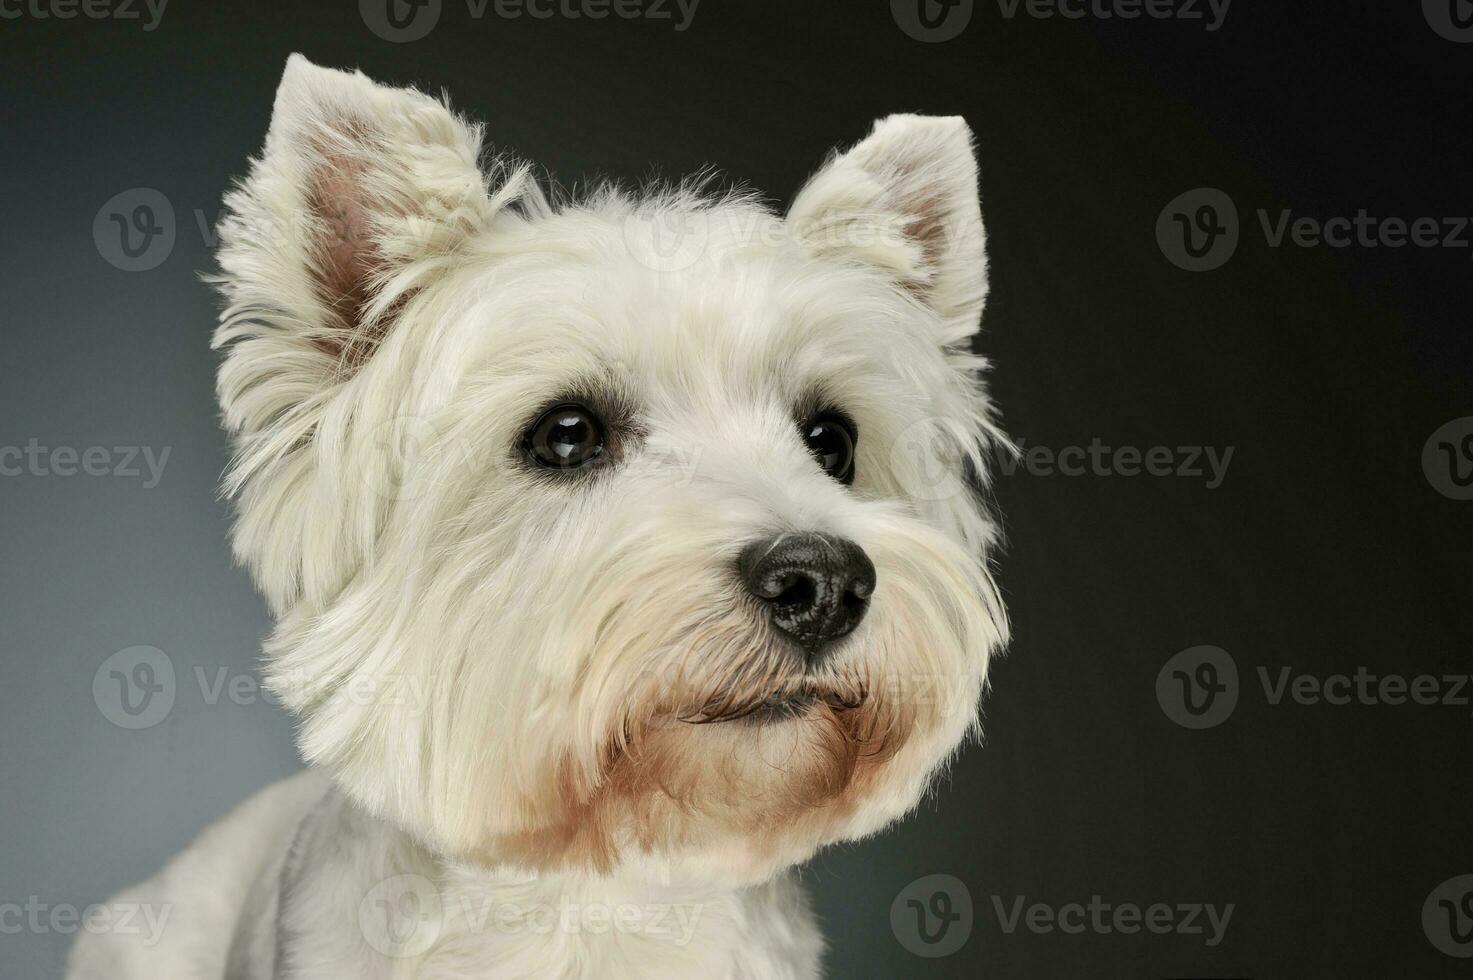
<point x="1339" y="376"/>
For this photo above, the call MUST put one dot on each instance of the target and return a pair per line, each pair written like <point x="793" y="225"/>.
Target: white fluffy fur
<point x="486" y="663"/>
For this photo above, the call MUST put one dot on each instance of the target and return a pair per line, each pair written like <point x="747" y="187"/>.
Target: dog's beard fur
<point x="564" y="673"/>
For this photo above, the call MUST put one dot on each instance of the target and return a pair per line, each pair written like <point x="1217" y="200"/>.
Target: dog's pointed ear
<point x="363" y="198"/>
<point x="905" y="200"/>
<point x="359" y="189"/>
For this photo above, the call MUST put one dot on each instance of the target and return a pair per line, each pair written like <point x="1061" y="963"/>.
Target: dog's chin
<point x="777" y="777"/>
<point x="737" y="784"/>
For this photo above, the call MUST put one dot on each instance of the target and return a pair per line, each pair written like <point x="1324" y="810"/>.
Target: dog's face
<point x="618" y="531"/>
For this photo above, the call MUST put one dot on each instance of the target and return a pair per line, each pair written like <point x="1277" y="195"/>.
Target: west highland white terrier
<point x="624" y="550"/>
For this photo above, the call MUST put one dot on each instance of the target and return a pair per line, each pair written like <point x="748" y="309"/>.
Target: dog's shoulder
<point x="180" y="923"/>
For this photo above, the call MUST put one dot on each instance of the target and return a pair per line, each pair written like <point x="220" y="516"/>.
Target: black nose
<point x="816" y="587"/>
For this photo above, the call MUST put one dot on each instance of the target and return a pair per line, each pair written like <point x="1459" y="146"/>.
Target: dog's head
<point x="627" y="529"/>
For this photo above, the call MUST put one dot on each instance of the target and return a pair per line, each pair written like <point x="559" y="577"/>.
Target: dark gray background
<point x="1324" y="549"/>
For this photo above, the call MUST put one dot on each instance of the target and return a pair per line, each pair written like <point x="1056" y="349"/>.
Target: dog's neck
<point x="359" y="898"/>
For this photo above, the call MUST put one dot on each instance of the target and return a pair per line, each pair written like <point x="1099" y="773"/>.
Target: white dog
<point x="623" y="550"/>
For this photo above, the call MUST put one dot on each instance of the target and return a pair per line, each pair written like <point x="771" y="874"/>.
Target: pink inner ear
<point x="928" y="218"/>
<point x="344" y="258"/>
<point x="928" y="227"/>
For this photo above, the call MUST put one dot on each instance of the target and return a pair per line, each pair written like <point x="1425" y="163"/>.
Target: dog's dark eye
<point x="831" y="439"/>
<point x="565" y="437"/>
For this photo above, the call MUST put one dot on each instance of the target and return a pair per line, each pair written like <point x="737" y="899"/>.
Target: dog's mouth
<point x="783" y="704"/>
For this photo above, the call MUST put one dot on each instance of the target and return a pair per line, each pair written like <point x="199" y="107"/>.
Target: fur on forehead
<point x="741" y="325"/>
